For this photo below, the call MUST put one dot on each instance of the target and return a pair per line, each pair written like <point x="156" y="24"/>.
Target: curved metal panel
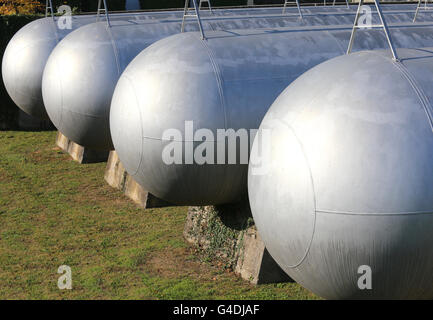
<point x="229" y="83"/>
<point x="349" y="180"/>
<point x="27" y="52"/>
<point x="87" y="88"/>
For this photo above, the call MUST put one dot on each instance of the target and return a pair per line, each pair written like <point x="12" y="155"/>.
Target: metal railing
<point x="103" y="10"/>
<point x="208" y="3"/>
<point x="286" y="2"/>
<point x="49" y="7"/>
<point x="383" y="26"/>
<point x="333" y="3"/>
<point x="418" y="7"/>
<point x="196" y="15"/>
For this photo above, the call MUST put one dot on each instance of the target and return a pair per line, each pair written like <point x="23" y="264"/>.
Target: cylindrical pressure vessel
<point x="83" y="70"/>
<point x="227" y="82"/>
<point x="343" y="193"/>
<point x="27" y="52"/>
<point x="24" y="61"/>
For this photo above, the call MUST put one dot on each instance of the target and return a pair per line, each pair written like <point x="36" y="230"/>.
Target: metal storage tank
<point x="27" y="52"/>
<point x="24" y="61"/>
<point x="348" y="183"/>
<point x="83" y="70"/>
<point x="226" y="82"/>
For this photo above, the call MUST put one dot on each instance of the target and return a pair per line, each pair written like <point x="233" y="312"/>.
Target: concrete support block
<point x="115" y="173"/>
<point x="256" y="264"/>
<point x="227" y="233"/>
<point x="117" y="177"/>
<point x="79" y="153"/>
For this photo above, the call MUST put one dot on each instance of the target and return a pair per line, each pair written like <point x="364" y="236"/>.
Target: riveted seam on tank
<point x="418" y="90"/>
<point x="55" y="26"/>
<point x="210" y="26"/>
<point x="115" y="50"/>
<point x="350" y="213"/>
<point x="219" y="79"/>
<point x="183" y="140"/>
<point x="141" y="124"/>
<point x="343" y="51"/>
<point x="426" y="106"/>
<point x="307" y="251"/>
<point x="84" y="114"/>
<point x="415" y="86"/>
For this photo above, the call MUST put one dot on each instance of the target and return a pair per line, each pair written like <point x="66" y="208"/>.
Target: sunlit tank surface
<point x="226" y="82"/>
<point x="349" y="181"/>
<point x="28" y="51"/>
<point x="83" y="70"/>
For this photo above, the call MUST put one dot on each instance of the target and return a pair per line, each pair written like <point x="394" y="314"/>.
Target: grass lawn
<point x="54" y="211"/>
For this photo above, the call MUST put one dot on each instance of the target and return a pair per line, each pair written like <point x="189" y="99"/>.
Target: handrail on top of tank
<point x="49" y="6"/>
<point x="333" y="3"/>
<point x="286" y="2"/>
<point x="196" y="15"/>
<point x="383" y="26"/>
<point x="208" y="3"/>
<point x="418" y="7"/>
<point x="105" y="10"/>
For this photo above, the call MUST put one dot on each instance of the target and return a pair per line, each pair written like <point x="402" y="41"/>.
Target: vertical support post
<point x="49" y="6"/>
<point x="105" y="10"/>
<point x="386" y="30"/>
<point x="196" y="15"/>
<point x="355" y="24"/>
<point x="185" y="12"/>
<point x="297" y="4"/>
<point x="347" y="3"/>
<point x="418" y="7"/>
<point x="208" y="3"/>
<point x="382" y="25"/>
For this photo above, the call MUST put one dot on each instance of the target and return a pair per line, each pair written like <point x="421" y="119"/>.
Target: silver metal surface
<point x="24" y="61"/>
<point x="418" y="8"/>
<point x="28" y="51"/>
<point x="103" y="10"/>
<point x="230" y="82"/>
<point x="78" y="86"/>
<point x="286" y="2"/>
<point x="196" y="15"/>
<point x="82" y="71"/>
<point x="382" y="25"/>
<point x="349" y="178"/>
